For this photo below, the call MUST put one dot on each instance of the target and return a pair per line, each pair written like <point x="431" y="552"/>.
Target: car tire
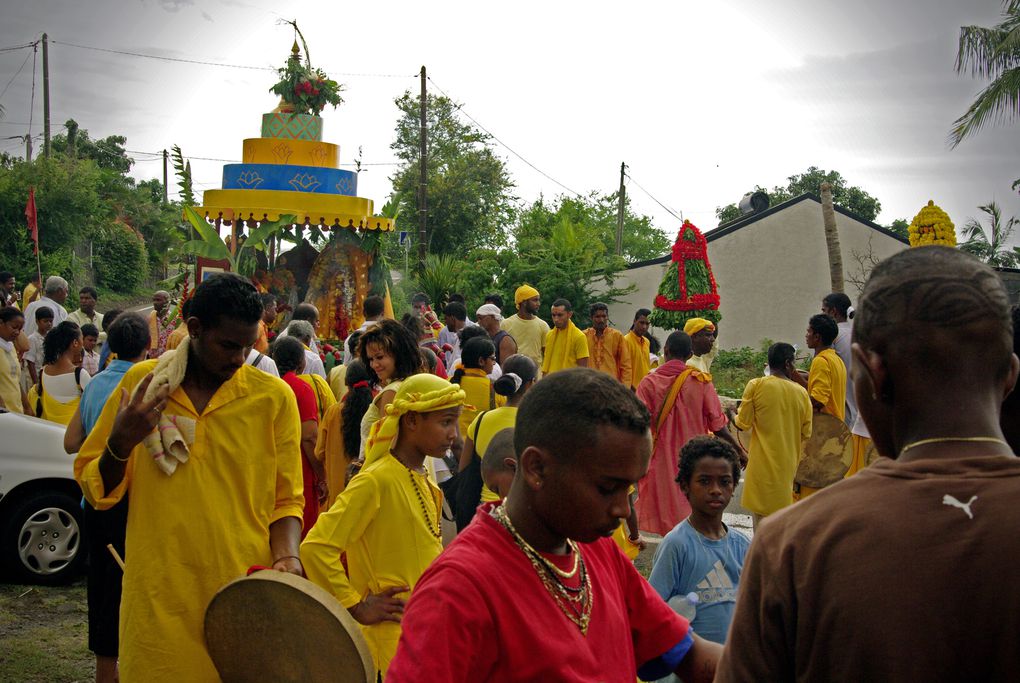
<point x="43" y="540"/>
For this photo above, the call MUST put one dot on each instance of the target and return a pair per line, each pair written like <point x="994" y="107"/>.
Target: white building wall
<point x="772" y="274"/>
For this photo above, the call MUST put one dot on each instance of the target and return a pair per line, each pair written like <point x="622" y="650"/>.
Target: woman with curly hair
<point x="390" y="352"/>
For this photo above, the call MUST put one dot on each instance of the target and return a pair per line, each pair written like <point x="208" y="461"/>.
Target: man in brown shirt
<point x="904" y="572"/>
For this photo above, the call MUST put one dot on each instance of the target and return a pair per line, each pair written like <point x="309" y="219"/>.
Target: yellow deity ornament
<point x="932" y="226"/>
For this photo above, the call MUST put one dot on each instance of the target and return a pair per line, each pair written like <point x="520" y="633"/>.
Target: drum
<point x="871" y="453"/>
<point x="731" y="406"/>
<point x="273" y="626"/>
<point x="827" y="454"/>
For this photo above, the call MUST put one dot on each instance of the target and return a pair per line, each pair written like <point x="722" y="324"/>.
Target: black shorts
<point x="104" y="577"/>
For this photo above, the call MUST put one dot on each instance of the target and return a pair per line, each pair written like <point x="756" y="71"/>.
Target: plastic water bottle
<point x="685" y="605"/>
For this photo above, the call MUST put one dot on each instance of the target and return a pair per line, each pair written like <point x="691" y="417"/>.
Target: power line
<point x="460" y="108"/>
<point x="237" y="161"/>
<point x="18" y="47"/>
<point x="668" y="210"/>
<point x="4" y="91"/>
<point x="210" y="63"/>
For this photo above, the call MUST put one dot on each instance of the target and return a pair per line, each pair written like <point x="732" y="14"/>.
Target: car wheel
<point x="43" y="540"/>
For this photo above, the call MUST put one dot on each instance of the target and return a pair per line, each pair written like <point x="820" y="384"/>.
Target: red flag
<point x="32" y="218"/>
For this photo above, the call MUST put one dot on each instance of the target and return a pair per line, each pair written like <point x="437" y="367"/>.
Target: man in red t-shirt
<point x="535" y="589"/>
<point x="289" y="354"/>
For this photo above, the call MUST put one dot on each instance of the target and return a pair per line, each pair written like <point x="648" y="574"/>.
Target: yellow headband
<point x="422" y="393"/>
<point x="523" y="293"/>
<point x="695" y="325"/>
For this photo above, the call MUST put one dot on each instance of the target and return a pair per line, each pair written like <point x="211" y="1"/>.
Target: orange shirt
<point x="262" y="343"/>
<point x="610" y="354"/>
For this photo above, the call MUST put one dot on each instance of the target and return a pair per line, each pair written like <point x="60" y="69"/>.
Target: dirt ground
<point x="43" y="634"/>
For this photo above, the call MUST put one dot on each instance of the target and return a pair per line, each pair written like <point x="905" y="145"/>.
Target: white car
<point x="41" y="535"/>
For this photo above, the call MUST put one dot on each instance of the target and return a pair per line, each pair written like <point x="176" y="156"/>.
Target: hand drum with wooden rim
<point x="273" y="626"/>
<point x="827" y="454"/>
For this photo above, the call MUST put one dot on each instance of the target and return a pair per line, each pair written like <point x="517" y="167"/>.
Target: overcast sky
<point x="701" y="100"/>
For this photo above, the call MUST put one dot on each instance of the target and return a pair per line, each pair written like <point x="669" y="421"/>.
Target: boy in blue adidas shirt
<point x="701" y="555"/>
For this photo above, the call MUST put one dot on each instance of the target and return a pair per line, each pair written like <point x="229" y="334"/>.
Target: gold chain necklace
<point x="529" y="550"/>
<point x="945" y="439"/>
<point x="575" y="603"/>
<point x="435" y="529"/>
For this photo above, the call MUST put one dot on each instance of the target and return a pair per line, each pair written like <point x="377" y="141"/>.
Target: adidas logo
<point x="716" y="578"/>
<point x="716" y="586"/>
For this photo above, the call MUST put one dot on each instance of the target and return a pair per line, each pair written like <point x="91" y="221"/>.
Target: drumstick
<point x="116" y="555"/>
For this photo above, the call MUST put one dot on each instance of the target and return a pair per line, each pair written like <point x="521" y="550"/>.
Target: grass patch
<point x="44" y="634"/>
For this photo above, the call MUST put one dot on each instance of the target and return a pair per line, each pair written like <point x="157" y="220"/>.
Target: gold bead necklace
<point x="575" y="603"/>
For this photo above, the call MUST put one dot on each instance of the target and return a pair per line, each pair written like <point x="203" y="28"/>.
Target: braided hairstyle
<point x="356" y="403"/>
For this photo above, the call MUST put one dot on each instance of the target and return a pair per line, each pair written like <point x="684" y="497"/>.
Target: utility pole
<point x="619" y="211"/>
<point x="423" y="180"/>
<point x="28" y="148"/>
<point x="165" y="158"/>
<point x="46" y="94"/>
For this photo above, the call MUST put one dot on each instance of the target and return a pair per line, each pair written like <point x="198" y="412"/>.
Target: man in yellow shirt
<point x="268" y="316"/>
<point x="234" y="501"/>
<point x="32" y="291"/>
<point x="703" y="334"/>
<point x="527" y="329"/>
<point x="388" y="518"/>
<point x="637" y="342"/>
<point x="607" y="351"/>
<point x="777" y="410"/>
<point x="826" y="381"/>
<point x="565" y="345"/>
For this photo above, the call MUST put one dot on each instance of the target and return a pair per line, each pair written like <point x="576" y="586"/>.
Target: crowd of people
<point x="474" y="492"/>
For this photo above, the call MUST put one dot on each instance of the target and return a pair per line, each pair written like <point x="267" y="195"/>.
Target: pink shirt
<point x="660" y="504"/>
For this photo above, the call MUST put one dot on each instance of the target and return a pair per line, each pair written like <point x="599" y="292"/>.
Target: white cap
<point x="490" y="309"/>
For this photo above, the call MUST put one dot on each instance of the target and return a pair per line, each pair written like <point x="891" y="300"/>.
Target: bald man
<point x="902" y="572"/>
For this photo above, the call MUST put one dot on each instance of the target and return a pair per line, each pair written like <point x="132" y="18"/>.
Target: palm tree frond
<point x="998" y="103"/>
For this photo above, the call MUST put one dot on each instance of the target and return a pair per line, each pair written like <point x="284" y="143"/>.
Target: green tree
<point x="469" y="199"/>
<point x="120" y="257"/>
<point x="642" y="241"/>
<point x="991" y="54"/>
<point x="848" y="196"/>
<point x="570" y="262"/>
<point x="991" y="245"/>
<point x="69" y="206"/>
<point x="901" y="227"/>
<point x="108" y="153"/>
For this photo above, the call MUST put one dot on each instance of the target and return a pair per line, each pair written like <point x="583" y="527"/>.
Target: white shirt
<point x="59" y="313"/>
<point x="266" y="364"/>
<point x="313" y="364"/>
<point x="842" y="348"/>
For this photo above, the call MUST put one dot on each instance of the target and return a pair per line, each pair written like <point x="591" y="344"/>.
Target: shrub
<point x="120" y="257"/>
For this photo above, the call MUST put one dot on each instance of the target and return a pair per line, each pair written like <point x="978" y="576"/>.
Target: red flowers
<point x="306" y="88"/>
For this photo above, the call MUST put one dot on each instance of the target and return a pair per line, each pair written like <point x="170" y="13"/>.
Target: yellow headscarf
<point x="523" y="293"/>
<point x="423" y="393"/>
<point x="695" y="325"/>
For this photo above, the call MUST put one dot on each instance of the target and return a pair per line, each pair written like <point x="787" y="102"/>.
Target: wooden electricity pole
<point x="165" y="159"/>
<point x="619" y="211"/>
<point x="423" y="180"/>
<point x="46" y="94"/>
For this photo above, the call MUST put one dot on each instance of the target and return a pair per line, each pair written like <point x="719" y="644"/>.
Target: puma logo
<point x="953" y="502"/>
